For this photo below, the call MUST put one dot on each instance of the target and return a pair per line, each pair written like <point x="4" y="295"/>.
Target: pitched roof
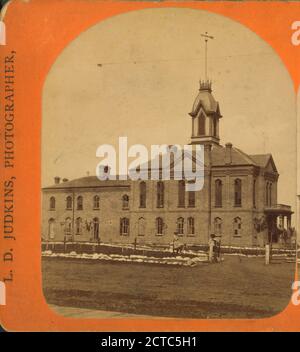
<point x="238" y="157"/>
<point x="207" y="101"/>
<point x="89" y="182"/>
<point x="261" y="159"/>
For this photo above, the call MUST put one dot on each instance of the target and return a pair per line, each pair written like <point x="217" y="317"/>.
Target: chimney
<point x="103" y="172"/>
<point x="228" y="153"/>
<point x="56" y="180"/>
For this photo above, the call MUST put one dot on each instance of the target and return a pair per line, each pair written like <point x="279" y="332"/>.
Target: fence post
<point x="267" y="254"/>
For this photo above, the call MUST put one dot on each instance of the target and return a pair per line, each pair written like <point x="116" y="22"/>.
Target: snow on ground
<point x="178" y="260"/>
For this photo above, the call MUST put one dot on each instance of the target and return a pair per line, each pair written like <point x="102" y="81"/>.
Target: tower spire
<point x="206" y="39"/>
<point x="205" y="112"/>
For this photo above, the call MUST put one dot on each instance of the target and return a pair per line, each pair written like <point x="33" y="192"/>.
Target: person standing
<point x="212" y="248"/>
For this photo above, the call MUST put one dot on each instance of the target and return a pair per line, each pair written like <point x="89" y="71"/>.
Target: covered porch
<point x="278" y="220"/>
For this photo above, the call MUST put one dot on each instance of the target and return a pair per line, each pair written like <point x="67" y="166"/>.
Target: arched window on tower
<point x="143" y="194"/>
<point x="218" y="193"/>
<point x="181" y="194"/>
<point x="237" y="192"/>
<point x="270" y="194"/>
<point x="214" y="127"/>
<point x="160" y="194"/>
<point x="201" y="125"/>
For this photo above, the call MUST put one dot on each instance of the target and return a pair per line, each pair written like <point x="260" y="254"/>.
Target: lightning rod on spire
<point x="207" y="37"/>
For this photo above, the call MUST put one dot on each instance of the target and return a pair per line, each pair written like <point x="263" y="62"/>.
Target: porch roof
<point x="279" y="209"/>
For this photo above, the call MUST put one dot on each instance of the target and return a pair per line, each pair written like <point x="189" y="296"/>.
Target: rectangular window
<point x="181" y="194"/>
<point x="192" y="200"/>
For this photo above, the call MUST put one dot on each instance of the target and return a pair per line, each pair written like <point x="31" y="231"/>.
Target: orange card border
<point x="37" y="31"/>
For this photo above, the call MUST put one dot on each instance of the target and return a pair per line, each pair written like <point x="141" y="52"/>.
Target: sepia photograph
<point x="168" y="171"/>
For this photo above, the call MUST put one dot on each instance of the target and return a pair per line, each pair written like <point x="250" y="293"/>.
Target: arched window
<point x="52" y="203"/>
<point x="79" y="203"/>
<point x="96" y="229"/>
<point x="192" y="199"/>
<point x="254" y="193"/>
<point x="201" y="125"/>
<point x="214" y="127"/>
<point x="267" y="193"/>
<point x="191" y="226"/>
<point x="160" y="194"/>
<point x="237" y="227"/>
<point x="143" y="194"/>
<point x="68" y="226"/>
<point x="125" y="201"/>
<point x="141" y="227"/>
<point x="69" y="203"/>
<point x="218" y="226"/>
<point x="181" y="194"/>
<point x="237" y="192"/>
<point x="159" y="226"/>
<point x="180" y="226"/>
<point x="96" y="202"/>
<point x="51" y="229"/>
<point x="218" y="193"/>
<point x="270" y="194"/>
<point x="124" y="227"/>
<point x="78" y="226"/>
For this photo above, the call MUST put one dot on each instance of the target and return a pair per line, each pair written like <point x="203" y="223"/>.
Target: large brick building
<point x="238" y="202"/>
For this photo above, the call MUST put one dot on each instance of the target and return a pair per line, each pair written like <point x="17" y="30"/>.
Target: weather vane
<point x="207" y="37"/>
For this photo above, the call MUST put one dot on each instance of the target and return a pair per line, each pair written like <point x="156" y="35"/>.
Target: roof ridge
<point x="247" y="156"/>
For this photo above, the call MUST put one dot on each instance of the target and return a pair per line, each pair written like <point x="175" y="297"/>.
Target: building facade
<point x="238" y="202"/>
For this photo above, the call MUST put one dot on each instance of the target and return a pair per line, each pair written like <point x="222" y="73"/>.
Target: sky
<point x="137" y="75"/>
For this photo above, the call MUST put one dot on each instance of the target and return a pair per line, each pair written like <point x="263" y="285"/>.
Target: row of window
<point x="237" y="193"/>
<point x="191" y="194"/>
<point x="237" y="226"/>
<point x="79" y="202"/>
<point x="160" y="196"/>
<point x="160" y="226"/>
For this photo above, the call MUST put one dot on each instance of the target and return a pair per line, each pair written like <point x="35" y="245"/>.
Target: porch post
<point x="281" y="221"/>
<point x="267" y="254"/>
<point x="288" y="221"/>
